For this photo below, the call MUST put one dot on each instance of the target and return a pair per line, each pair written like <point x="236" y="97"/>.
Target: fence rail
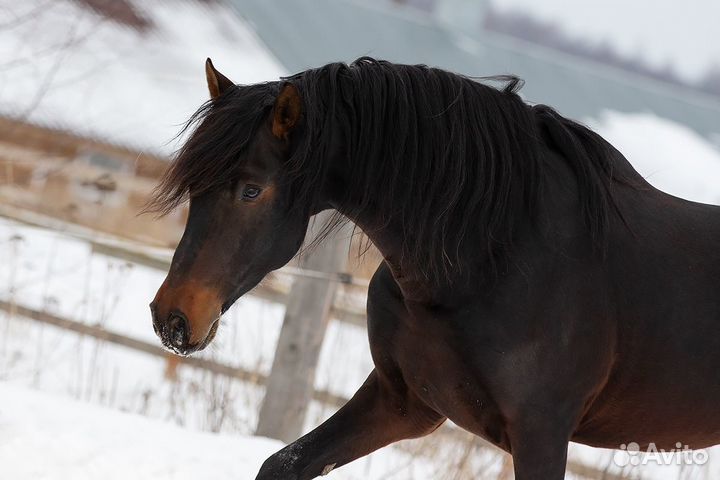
<point x="159" y="259"/>
<point x="154" y="349"/>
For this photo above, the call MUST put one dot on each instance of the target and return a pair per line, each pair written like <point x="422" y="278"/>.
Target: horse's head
<point x="243" y="219"/>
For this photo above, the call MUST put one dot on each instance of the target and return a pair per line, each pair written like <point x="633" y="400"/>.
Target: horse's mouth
<point x="210" y="336"/>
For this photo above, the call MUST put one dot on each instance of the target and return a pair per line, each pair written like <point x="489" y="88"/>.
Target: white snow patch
<point x="45" y="436"/>
<point x="671" y="156"/>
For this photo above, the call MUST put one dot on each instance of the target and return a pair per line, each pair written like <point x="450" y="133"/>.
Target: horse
<point x="534" y="288"/>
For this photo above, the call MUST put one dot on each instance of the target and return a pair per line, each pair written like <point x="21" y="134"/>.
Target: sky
<point x="684" y="33"/>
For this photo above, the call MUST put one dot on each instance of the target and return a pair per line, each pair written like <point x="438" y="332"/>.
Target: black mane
<point x="440" y="152"/>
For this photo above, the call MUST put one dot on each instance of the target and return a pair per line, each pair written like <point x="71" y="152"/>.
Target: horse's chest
<point x="435" y="370"/>
<point x="428" y="362"/>
<point x="421" y="351"/>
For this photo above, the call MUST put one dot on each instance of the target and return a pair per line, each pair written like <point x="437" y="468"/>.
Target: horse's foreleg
<point x="539" y="447"/>
<point x="379" y="413"/>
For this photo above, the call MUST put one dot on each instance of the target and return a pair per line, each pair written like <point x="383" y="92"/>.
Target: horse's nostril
<point x="177" y="330"/>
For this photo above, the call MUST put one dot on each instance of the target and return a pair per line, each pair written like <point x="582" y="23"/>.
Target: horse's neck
<point x="414" y="282"/>
<point x="557" y="217"/>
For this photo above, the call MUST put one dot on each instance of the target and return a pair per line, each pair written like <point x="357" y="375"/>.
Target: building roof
<point x="305" y="34"/>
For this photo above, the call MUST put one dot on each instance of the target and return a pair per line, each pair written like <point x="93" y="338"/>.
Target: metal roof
<point x="304" y="34"/>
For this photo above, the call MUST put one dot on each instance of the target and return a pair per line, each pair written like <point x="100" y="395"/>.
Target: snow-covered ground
<point x="46" y="436"/>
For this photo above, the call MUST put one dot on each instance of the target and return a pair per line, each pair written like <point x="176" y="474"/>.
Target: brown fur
<point x="217" y="82"/>
<point x="196" y="301"/>
<point x="286" y="112"/>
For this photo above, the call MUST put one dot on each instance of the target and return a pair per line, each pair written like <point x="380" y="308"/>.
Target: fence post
<point x="292" y="378"/>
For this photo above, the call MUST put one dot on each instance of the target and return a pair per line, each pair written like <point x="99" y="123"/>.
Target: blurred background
<point x="92" y="94"/>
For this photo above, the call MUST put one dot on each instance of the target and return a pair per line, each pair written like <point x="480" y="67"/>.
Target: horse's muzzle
<point x="185" y="320"/>
<point x="174" y="333"/>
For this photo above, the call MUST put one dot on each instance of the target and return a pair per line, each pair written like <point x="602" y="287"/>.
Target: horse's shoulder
<point x="383" y="285"/>
<point x="385" y="302"/>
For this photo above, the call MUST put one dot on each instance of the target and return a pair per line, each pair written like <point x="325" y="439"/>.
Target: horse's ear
<point x="217" y="82"/>
<point x="287" y="111"/>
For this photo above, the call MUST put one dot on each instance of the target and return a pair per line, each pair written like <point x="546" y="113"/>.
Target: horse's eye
<point x="250" y="192"/>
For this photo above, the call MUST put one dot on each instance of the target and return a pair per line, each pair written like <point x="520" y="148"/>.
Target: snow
<point x="46" y="436"/>
<point x="52" y="437"/>
<point x="67" y="67"/>
<point x="670" y="156"/>
<point x="660" y="31"/>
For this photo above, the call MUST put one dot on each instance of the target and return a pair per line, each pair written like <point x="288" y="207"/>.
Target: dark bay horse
<point x="534" y="290"/>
